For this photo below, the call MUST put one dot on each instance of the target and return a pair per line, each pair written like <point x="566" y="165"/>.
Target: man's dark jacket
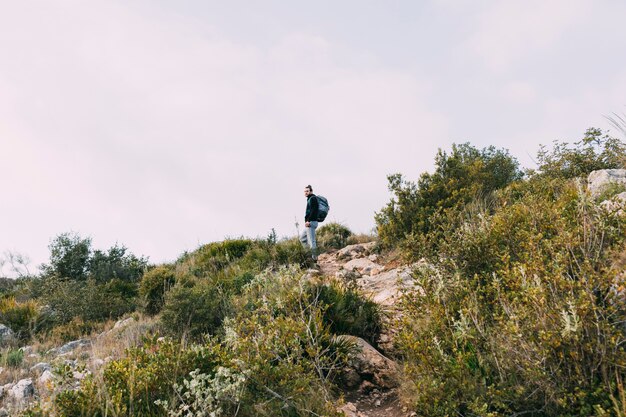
<point x="312" y="207"/>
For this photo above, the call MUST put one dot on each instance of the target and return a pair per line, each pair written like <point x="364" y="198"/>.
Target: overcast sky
<point x="162" y="125"/>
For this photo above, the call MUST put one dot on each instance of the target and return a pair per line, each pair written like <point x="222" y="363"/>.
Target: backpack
<point x="323" y="207"/>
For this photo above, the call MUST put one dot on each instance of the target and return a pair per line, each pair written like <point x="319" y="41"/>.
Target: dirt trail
<point x="356" y="259"/>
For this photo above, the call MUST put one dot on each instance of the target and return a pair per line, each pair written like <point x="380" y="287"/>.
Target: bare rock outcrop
<point x="46" y="377"/>
<point x="363" y="266"/>
<point x="369" y="368"/>
<point x="383" y="286"/>
<point x="600" y="180"/>
<point x="23" y="390"/>
<point x="70" y="347"/>
<point x="6" y="335"/>
<point x="386" y="287"/>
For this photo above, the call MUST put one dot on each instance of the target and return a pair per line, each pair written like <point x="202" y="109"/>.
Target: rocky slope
<point x="370" y="384"/>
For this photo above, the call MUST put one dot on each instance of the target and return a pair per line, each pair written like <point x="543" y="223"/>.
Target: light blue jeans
<point x="307" y="238"/>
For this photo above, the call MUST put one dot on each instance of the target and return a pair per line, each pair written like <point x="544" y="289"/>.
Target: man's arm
<point x="314" y="209"/>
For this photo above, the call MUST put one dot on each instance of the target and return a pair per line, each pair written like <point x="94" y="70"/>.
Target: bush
<point x="289" y="252"/>
<point x="69" y="256"/>
<point x="116" y="263"/>
<point x="153" y="286"/>
<point x="221" y="393"/>
<point x="216" y="256"/>
<point x="360" y="238"/>
<point x="19" y="317"/>
<point x="194" y="308"/>
<point x="594" y="151"/>
<point x="346" y="311"/>
<point x="418" y="210"/>
<point x="72" y="258"/>
<point x="266" y="254"/>
<point x="241" y="280"/>
<point x="333" y="236"/>
<point x="88" y="300"/>
<point x="14" y="358"/>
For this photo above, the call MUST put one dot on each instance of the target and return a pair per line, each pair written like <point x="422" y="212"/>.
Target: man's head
<point x="308" y="190"/>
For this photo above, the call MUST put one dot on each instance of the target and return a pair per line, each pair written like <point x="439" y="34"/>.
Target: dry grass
<point x="107" y="344"/>
<point x="112" y="343"/>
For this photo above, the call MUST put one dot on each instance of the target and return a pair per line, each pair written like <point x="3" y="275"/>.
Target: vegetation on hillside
<point x="521" y="307"/>
<point x="518" y="307"/>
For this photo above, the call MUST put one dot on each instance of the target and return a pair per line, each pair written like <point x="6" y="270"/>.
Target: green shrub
<point x="216" y="256"/>
<point x="69" y="256"/>
<point x="333" y="236"/>
<point x="289" y="252"/>
<point x="240" y="281"/>
<point x="88" y="300"/>
<point x="361" y="238"/>
<point x="418" y="210"/>
<point x="594" y="151"/>
<point x="14" y="358"/>
<point x="116" y="263"/>
<point x="153" y="286"/>
<point x="91" y="285"/>
<point x="195" y="308"/>
<point x="72" y="258"/>
<point x="346" y="311"/>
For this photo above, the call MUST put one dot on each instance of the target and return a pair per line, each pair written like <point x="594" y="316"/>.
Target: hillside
<point x="488" y="290"/>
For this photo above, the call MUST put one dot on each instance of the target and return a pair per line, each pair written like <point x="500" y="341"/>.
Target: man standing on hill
<point x="307" y="237"/>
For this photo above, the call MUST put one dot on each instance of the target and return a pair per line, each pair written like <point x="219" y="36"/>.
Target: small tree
<point x="118" y="263"/>
<point x="69" y="256"/>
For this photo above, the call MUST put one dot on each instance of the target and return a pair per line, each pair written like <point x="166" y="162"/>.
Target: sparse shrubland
<point x="207" y="280"/>
<point x="276" y="357"/>
<point x="518" y="307"/>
